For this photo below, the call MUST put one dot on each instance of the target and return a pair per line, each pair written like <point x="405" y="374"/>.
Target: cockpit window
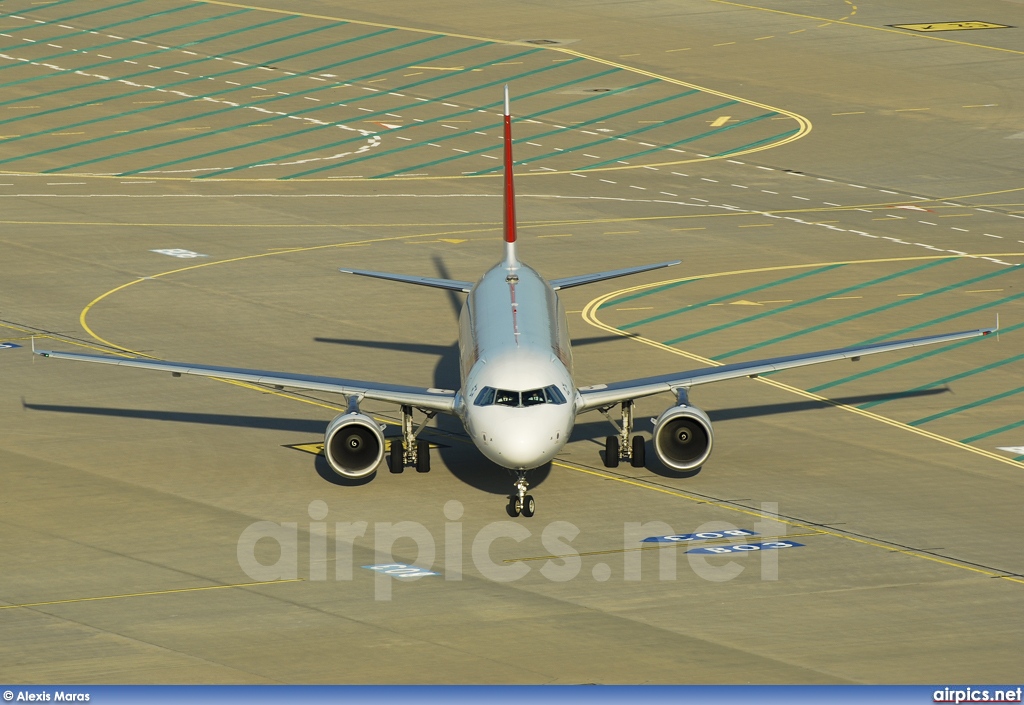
<point x="533" y="397"/>
<point x="554" y="395"/>
<point x="503" y="397"/>
<point x="485" y="397"/>
<point x="506" y="398"/>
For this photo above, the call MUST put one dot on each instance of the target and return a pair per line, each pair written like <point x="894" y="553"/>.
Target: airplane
<point x="518" y="400"/>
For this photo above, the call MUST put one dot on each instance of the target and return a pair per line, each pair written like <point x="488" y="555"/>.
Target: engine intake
<point x="683" y="437"/>
<point x="353" y="445"/>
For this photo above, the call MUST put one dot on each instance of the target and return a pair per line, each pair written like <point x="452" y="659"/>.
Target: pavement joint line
<point x="175" y="591"/>
<point x="590" y="316"/>
<point x="953" y="563"/>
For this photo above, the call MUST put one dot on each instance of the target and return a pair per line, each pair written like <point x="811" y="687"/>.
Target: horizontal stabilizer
<point x="449" y="284"/>
<point x="568" y="282"/>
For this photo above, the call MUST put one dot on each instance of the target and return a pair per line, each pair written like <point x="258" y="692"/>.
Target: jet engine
<point x="353" y="445"/>
<point x="683" y="437"/>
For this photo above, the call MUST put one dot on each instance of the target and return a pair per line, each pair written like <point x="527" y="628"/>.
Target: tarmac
<point x="183" y="180"/>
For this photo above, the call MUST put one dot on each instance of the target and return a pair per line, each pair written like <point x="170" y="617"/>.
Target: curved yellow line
<point x="590" y="316"/>
<point x="803" y="129"/>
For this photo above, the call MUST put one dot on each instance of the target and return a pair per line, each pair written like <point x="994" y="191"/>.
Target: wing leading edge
<point x="442" y="400"/>
<point x="606" y="394"/>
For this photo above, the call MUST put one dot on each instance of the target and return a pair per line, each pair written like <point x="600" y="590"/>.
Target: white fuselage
<point x="514" y="340"/>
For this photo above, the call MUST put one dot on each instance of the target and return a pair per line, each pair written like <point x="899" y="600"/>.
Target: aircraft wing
<point x="581" y="279"/>
<point x="606" y="394"/>
<point x="450" y="284"/>
<point x="442" y="400"/>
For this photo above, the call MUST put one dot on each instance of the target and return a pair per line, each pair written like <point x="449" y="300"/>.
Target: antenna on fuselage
<point x="510" y="194"/>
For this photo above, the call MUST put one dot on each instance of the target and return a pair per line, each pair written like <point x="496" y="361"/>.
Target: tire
<point x="511" y="508"/>
<point x="639" y="452"/>
<point x="397" y="458"/>
<point x="422" y="456"/>
<point x="529" y="506"/>
<point x="611" y="452"/>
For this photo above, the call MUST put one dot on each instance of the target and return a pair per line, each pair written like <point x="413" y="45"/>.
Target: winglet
<point x="510" y="195"/>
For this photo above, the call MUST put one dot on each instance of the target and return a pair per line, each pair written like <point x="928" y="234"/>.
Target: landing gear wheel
<point x="515" y="506"/>
<point x="639" y="452"/>
<point x="422" y="456"/>
<point x="397" y="458"/>
<point x="529" y="506"/>
<point x="611" y="452"/>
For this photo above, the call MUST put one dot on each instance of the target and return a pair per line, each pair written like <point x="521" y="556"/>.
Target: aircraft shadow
<point x="464" y="461"/>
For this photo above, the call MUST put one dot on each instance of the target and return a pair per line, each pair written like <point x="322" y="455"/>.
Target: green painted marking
<point x="798" y="304"/>
<point x="308" y="130"/>
<point x="158" y="145"/>
<point x="942" y="319"/>
<point x="965" y="407"/>
<point x="732" y="295"/>
<point x="868" y="312"/>
<point x="200" y="97"/>
<point x="101" y="28"/>
<point x="758" y="143"/>
<point x="174" y="84"/>
<point x="539" y="135"/>
<point x="464" y="133"/>
<point x="429" y="121"/>
<point x="947" y="380"/>
<point x="52" y="4"/>
<point x="742" y="123"/>
<point x="89" y="67"/>
<point x="622" y="135"/>
<point x="993" y="432"/>
<point x="93" y="12"/>
<point x="909" y="360"/>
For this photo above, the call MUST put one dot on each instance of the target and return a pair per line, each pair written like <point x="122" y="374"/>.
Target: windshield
<point x="489" y="396"/>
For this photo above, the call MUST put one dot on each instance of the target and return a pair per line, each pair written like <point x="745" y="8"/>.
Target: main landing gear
<point x="410" y="451"/>
<point x="623" y="446"/>
<point x="520" y="502"/>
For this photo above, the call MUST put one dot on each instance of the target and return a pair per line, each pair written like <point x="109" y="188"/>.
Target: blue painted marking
<point x="8" y="346"/>
<point x="745" y="547"/>
<point x="702" y="536"/>
<point x="400" y="570"/>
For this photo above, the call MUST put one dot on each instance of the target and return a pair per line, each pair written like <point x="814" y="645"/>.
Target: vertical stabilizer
<point x="510" y="194"/>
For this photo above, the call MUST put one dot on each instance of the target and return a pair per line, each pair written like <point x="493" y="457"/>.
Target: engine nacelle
<point x="353" y="445"/>
<point x="683" y="437"/>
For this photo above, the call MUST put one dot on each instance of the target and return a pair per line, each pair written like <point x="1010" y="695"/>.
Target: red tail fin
<point x="510" y="194"/>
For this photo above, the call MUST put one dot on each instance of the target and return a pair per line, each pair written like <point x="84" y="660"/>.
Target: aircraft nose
<point x="520" y="450"/>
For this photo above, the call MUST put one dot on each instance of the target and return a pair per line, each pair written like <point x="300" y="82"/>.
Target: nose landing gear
<point x="520" y="502"/>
